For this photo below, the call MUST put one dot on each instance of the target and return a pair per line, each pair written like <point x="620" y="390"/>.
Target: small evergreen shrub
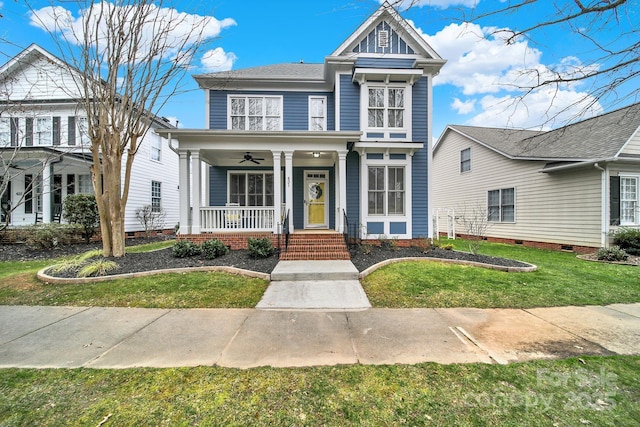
<point x="48" y="236"/>
<point x="214" y="248"/>
<point x="366" y="248"/>
<point x="628" y="239"/>
<point x="97" y="268"/>
<point x="82" y="209"/>
<point x="260" y="248"/>
<point x="614" y="253"/>
<point x="186" y="248"/>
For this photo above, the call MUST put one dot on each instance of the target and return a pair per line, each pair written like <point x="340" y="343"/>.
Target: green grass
<point x="561" y="279"/>
<point x="599" y="391"/>
<point x="20" y="286"/>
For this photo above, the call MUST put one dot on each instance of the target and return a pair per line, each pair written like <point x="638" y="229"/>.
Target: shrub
<point x="82" y="209"/>
<point x="366" y="248"/>
<point x="260" y="248"/>
<point x="628" y="239"/>
<point x="214" y="248"/>
<point x="48" y="236"/>
<point x="150" y="219"/>
<point x="97" y="268"/>
<point x="185" y="248"/>
<point x="614" y="253"/>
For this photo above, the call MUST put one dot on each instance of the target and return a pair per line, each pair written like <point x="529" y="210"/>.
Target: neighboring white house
<point x="564" y="189"/>
<point x="45" y="151"/>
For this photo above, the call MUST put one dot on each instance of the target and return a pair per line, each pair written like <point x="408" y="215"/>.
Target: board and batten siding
<point x="562" y="207"/>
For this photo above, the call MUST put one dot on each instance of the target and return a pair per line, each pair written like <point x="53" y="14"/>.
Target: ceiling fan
<point x="249" y="158"/>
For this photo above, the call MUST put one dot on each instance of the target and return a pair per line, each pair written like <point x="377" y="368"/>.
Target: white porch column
<point x="342" y="184"/>
<point x="196" y="171"/>
<point x="185" y="192"/>
<point x="46" y="192"/>
<point x="288" y="183"/>
<point x="277" y="190"/>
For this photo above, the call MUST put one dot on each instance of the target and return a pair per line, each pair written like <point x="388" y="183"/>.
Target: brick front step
<point x="315" y="247"/>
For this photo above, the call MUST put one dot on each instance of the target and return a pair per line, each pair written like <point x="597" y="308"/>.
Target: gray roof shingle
<point x="595" y="138"/>
<point x="297" y="71"/>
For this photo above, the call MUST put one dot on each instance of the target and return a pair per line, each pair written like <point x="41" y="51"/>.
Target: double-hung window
<point x="501" y="205"/>
<point x="43" y="132"/>
<point x="386" y="190"/>
<point x="251" y="189"/>
<point x="465" y="160"/>
<point x="156" y="148"/>
<point x="386" y="107"/>
<point x="629" y="214"/>
<point x="156" y="196"/>
<point x="255" y="113"/>
<point x="5" y="132"/>
<point x="82" y="125"/>
<point x="317" y="113"/>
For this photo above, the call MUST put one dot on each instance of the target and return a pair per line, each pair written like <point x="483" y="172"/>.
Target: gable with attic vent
<point x="383" y="39"/>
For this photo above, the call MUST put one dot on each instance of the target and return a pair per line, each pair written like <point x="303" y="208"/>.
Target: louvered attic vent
<point x="383" y="38"/>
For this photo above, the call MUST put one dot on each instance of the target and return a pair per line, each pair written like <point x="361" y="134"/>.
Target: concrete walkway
<point x="71" y="337"/>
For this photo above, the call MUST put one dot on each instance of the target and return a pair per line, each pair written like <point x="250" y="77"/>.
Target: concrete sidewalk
<point x="70" y="337"/>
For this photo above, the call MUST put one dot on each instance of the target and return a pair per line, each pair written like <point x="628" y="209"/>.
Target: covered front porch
<point x="261" y="182"/>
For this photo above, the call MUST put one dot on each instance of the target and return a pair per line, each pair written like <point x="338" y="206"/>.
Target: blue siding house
<point x="316" y="145"/>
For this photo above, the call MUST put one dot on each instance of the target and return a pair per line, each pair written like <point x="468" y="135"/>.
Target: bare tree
<point x="610" y="32"/>
<point x="126" y="61"/>
<point x="475" y="221"/>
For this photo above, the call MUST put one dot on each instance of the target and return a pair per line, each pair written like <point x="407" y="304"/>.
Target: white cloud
<point x="494" y="76"/>
<point x="218" y="60"/>
<point x="178" y="30"/>
<point x="439" y="4"/>
<point x="463" y="107"/>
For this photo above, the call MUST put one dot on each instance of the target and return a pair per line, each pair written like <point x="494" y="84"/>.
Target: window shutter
<point x="614" y="200"/>
<point x="71" y="130"/>
<point x="14" y="131"/>
<point x="56" y="131"/>
<point x="29" y="132"/>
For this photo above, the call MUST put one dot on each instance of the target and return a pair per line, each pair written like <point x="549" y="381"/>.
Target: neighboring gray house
<point x="45" y="151"/>
<point x="316" y="143"/>
<point x="565" y="189"/>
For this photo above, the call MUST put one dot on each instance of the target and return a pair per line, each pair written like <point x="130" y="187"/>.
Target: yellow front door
<point x="315" y="199"/>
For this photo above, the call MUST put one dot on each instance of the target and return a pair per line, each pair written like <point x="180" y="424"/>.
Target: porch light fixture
<point x="315" y="154"/>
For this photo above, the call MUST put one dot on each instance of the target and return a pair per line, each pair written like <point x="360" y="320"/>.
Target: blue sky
<point x="476" y="87"/>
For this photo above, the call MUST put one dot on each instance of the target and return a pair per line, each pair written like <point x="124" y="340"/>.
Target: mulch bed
<point x="164" y="259"/>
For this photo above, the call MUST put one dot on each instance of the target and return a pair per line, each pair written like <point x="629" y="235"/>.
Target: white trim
<point x="515" y="205"/>
<point x="429" y="143"/>
<point x="246" y="115"/>
<point x="326" y="181"/>
<point x="635" y="176"/>
<point x="324" y="113"/>
<point x="246" y="172"/>
<point x="385" y="130"/>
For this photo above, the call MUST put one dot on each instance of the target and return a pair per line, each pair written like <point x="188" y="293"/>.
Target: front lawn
<point x="597" y="391"/>
<point x="561" y="279"/>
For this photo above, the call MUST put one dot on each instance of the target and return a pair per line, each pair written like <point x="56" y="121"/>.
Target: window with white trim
<point x="82" y="126"/>
<point x="501" y="205"/>
<point x="386" y="107"/>
<point x="156" y="196"/>
<point x="465" y="160"/>
<point x="255" y="113"/>
<point x="43" y="131"/>
<point x="386" y="190"/>
<point x="5" y="131"/>
<point x="317" y="113"/>
<point x="251" y="188"/>
<point x="85" y="186"/>
<point x="156" y="148"/>
<point x="629" y="214"/>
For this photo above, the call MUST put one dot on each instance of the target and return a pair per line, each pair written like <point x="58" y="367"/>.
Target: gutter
<point x="594" y="162"/>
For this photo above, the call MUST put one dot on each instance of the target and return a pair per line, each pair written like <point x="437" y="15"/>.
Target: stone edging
<point x="81" y="280"/>
<point x="373" y="268"/>
<point x="586" y="257"/>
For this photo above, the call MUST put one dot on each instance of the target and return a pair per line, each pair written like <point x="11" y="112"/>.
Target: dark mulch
<point x="164" y="259"/>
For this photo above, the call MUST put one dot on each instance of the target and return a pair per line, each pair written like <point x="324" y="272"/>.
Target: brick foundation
<point x="233" y="240"/>
<point x="533" y="244"/>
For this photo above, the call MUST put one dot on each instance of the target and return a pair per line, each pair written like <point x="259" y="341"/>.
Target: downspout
<point x="604" y="218"/>
<point x="169" y="143"/>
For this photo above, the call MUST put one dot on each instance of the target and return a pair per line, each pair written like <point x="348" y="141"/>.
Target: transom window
<point x="386" y="107"/>
<point x="386" y="190"/>
<point x="255" y="113"/>
<point x="251" y="189"/>
<point x="629" y="201"/>
<point x="501" y="205"/>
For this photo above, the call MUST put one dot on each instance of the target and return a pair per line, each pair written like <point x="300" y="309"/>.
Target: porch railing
<point x="236" y="218"/>
<point x="351" y="232"/>
<point x="283" y="234"/>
